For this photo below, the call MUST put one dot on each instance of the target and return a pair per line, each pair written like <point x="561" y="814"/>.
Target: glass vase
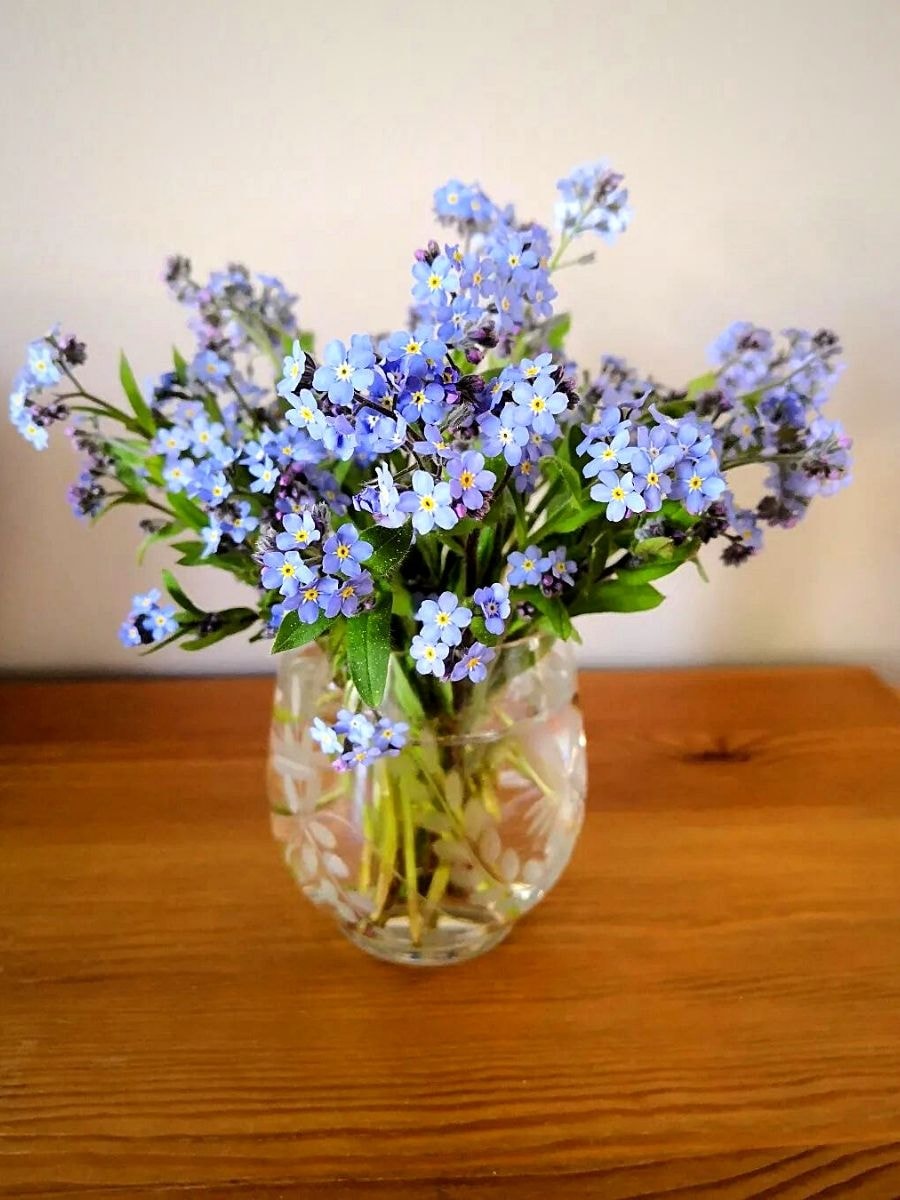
<point x="431" y="856"/>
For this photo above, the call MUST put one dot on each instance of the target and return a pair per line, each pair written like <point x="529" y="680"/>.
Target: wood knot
<point x="719" y="750"/>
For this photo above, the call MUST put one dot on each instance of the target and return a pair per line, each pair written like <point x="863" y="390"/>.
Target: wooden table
<point x="707" y="1006"/>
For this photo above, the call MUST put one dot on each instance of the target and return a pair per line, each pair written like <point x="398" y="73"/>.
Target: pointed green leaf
<point x="369" y="650"/>
<point x="293" y="633"/>
<point x="178" y="594"/>
<point x="181" y="367"/>
<point x="135" y="397"/>
<point x="390" y="547"/>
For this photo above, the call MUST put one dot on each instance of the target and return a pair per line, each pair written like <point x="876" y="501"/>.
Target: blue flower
<point x="494" y="604"/>
<point x="456" y="318"/>
<point x="299" y="532"/>
<point x="238" y="521"/>
<point x="338" y="437"/>
<point x="502" y="434"/>
<point x="327" y="738"/>
<point x="538" y="403"/>
<point x="266" y="475"/>
<point x="429" y="502"/>
<point x="209" y="368"/>
<point x="315" y="596"/>
<point x="429" y="656"/>
<point x="292" y="373"/>
<point x="463" y="202"/>
<point x="537" y="368"/>
<point x="345" y="371"/>
<point x="284" y="571"/>
<point x="619" y="494"/>
<point x="517" y="256"/>
<point x="390" y="736"/>
<point x="421" y="401"/>
<point x="178" y="473"/>
<point x="526" y="567"/>
<point x="415" y="353"/>
<point x="607" y="455"/>
<point x="347" y="595"/>
<point x="472" y="665"/>
<point x="560" y="567"/>
<point x="41" y="365"/>
<point x="468" y="479"/>
<point x="434" y="444"/>
<point x="211" y="535"/>
<point x="30" y="430"/>
<point x="697" y="484"/>
<point x="650" y="478"/>
<point x="444" y="619"/>
<point x="593" y="198"/>
<point x="170" y="441"/>
<point x="433" y="279"/>
<point x="304" y="413"/>
<point x="162" y="622"/>
<point x="210" y="486"/>
<point x="345" y="551"/>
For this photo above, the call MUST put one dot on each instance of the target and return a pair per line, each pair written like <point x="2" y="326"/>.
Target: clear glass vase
<point x="431" y="856"/>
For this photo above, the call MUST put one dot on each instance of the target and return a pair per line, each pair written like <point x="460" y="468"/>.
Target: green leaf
<point x="181" y="367"/>
<point x="481" y="633"/>
<point x="135" y="397"/>
<point x="234" y="620"/>
<point x="557" y="330"/>
<point x="390" y="547"/>
<point x="703" y="383"/>
<point x="615" y="596"/>
<point x="573" y="517"/>
<point x="558" y="469"/>
<point x="550" y="607"/>
<point x="635" y="576"/>
<point x="307" y="343"/>
<point x="651" y="547"/>
<point x="178" y="594"/>
<point x="369" y="650"/>
<point x="293" y="633"/>
<point x="187" y="510"/>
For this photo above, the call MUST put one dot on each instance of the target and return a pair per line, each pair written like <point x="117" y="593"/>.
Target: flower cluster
<point x="361" y="492"/>
<point x="148" y="621"/>
<point x="355" y="741"/>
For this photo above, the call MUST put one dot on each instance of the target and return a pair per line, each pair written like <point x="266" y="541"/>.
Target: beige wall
<point x="760" y="143"/>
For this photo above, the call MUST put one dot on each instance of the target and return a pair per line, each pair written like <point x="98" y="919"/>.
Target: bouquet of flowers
<point x="429" y="496"/>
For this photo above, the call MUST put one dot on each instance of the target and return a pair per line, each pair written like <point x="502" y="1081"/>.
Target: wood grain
<point x="706" y="1006"/>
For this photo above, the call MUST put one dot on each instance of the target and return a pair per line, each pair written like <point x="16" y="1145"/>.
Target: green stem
<point x="410" y="867"/>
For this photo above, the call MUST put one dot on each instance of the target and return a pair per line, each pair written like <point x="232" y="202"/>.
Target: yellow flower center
<point x="344" y="371"/>
<point x="530" y="372"/>
<point x="442" y="618"/>
<point x="434" y="282"/>
<point x="652" y="478"/>
<point x="287" y="570"/>
<point x="695" y="483"/>
<point x="617" y="494"/>
<point x="413" y="347"/>
<point x="538" y="404"/>
<point x="466" y="480"/>
<point x="347" y="591"/>
<point x="427" y="503"/>
<point x="311" y="593"/>
<point x="343" y="551"/>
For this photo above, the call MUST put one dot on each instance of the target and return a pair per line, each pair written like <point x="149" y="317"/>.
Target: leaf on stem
<point x="369" y="650"/>
<point x="135" y="397"/>
<point x="293" y="633"/>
